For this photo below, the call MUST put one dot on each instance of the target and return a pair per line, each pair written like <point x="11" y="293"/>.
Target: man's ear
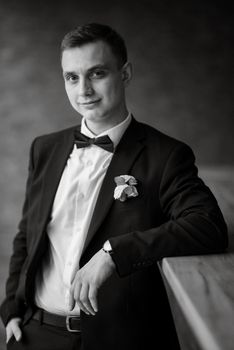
<point x="127" y="73"/>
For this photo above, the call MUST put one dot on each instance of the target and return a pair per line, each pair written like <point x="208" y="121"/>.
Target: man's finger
<point x="9" y="334"/>
<point x="16" y="331"/>
<point x="75" y="291"/>
<point x="13" y="329"/>
<point x="71" y="302"/>
<point x="93" y="298"/>
<point x="84" y="298"/>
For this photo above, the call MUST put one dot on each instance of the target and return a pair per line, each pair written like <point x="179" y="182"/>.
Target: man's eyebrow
<point x="99" y="66"/>
<point x="67" y="74"/>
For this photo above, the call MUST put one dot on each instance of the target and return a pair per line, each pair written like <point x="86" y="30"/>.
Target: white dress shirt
<point x="72" y="211"/>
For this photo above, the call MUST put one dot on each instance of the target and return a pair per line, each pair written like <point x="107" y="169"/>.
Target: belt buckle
<point x="68" y="325"/>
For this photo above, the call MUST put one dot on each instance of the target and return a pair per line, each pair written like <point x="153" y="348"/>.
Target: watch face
<point x="107" y="246"/>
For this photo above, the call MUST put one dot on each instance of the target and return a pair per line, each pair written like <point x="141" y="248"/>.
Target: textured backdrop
<point x="182" y="52"/>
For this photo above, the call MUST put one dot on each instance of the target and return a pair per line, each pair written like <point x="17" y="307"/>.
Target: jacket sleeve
<point x="194" y="224"/>
<point x="10" y="308"/>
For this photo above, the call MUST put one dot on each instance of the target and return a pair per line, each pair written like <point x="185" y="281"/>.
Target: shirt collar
<point x="114" y="133"/>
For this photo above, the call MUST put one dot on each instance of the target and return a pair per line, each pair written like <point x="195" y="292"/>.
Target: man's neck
<point x="99" y="127"/>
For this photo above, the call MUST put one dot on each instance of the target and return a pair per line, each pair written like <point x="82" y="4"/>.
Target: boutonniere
<point x="125" y="187"/>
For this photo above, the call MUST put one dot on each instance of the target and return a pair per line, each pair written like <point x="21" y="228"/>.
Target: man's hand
<point x="87" y="281"/>
<point x="13" y="329"/>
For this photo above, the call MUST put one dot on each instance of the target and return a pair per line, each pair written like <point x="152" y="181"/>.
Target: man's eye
<point x="97" y="74"/>
<point x="71" y="78"/>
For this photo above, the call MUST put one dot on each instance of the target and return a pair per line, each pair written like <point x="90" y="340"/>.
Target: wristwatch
<point x="107" y="248"/>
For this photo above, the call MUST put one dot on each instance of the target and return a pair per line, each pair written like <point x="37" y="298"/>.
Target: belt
<point x="70" y="323"/>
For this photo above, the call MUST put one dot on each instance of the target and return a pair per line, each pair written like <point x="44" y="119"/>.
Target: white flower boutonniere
<point x="125" y="187"/>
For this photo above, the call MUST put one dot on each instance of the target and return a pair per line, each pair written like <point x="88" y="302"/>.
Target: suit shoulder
<point x="165" y="149"/>
<point x="55" y="136"/>
<point x="157" y="138"/>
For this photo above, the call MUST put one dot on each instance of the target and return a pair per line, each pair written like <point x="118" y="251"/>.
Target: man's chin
<point x="87" y="114"/>
<point x="92" y="116"/>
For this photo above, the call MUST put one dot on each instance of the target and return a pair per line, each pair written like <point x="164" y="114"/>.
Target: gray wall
<point x="183" y="75"/>
<point x="182" y="53"/>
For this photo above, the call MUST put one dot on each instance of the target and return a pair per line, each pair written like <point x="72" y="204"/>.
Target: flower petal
<point x="132" y="181"/>
<point x="123" y="197"/>
<point x="119" y="180"/>
<point x="134" y="192"/>
<point x="119" y="190"/>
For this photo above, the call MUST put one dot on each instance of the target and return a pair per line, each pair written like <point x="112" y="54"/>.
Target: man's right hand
<point x="13" y="329"/>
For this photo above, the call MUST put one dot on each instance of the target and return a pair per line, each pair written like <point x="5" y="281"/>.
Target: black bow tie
<point x="104" y="142"/>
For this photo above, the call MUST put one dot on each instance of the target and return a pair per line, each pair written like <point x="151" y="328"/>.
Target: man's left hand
<point x="87" y="281"/>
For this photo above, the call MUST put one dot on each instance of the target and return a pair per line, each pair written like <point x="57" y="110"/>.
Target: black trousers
<point x="37" y="336"/>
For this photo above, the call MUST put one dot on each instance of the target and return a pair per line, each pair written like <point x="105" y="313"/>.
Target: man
<point x="102" y="207"/>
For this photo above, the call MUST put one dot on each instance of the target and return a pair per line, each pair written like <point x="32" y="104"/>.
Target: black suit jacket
<point x="174" y="214"/>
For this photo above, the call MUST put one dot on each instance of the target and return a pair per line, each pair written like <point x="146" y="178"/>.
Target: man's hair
<point x="93" y="32"/>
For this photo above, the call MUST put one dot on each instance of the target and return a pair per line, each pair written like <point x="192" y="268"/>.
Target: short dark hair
<point x="93" y="32"/>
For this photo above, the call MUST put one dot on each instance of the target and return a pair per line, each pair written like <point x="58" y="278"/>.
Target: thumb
<point x="13" y="328"/>
<point x="71" y="302"/>
<point x="16" y="331"/>
<point x="9" y="334"/>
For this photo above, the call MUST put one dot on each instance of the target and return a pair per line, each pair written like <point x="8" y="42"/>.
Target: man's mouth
<point x="87" y="103"/>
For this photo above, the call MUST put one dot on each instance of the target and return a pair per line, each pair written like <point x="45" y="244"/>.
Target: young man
<point x="104" y="202"/>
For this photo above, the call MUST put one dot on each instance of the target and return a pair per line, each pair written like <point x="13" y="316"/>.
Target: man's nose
<point x="85" y="87"/>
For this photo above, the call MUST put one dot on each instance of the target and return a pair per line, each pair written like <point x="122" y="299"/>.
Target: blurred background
<point x="182" y="53"/>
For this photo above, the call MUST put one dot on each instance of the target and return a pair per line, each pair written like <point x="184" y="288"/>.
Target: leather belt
<point x="71" y="323"/>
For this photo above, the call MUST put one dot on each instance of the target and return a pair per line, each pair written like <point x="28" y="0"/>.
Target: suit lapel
<point x="55" y="163"/>
<point x="53" y="172"/>
<point x="126" y="152"/>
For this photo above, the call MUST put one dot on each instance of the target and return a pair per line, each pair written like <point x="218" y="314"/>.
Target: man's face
<point x="94" y="83"/>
